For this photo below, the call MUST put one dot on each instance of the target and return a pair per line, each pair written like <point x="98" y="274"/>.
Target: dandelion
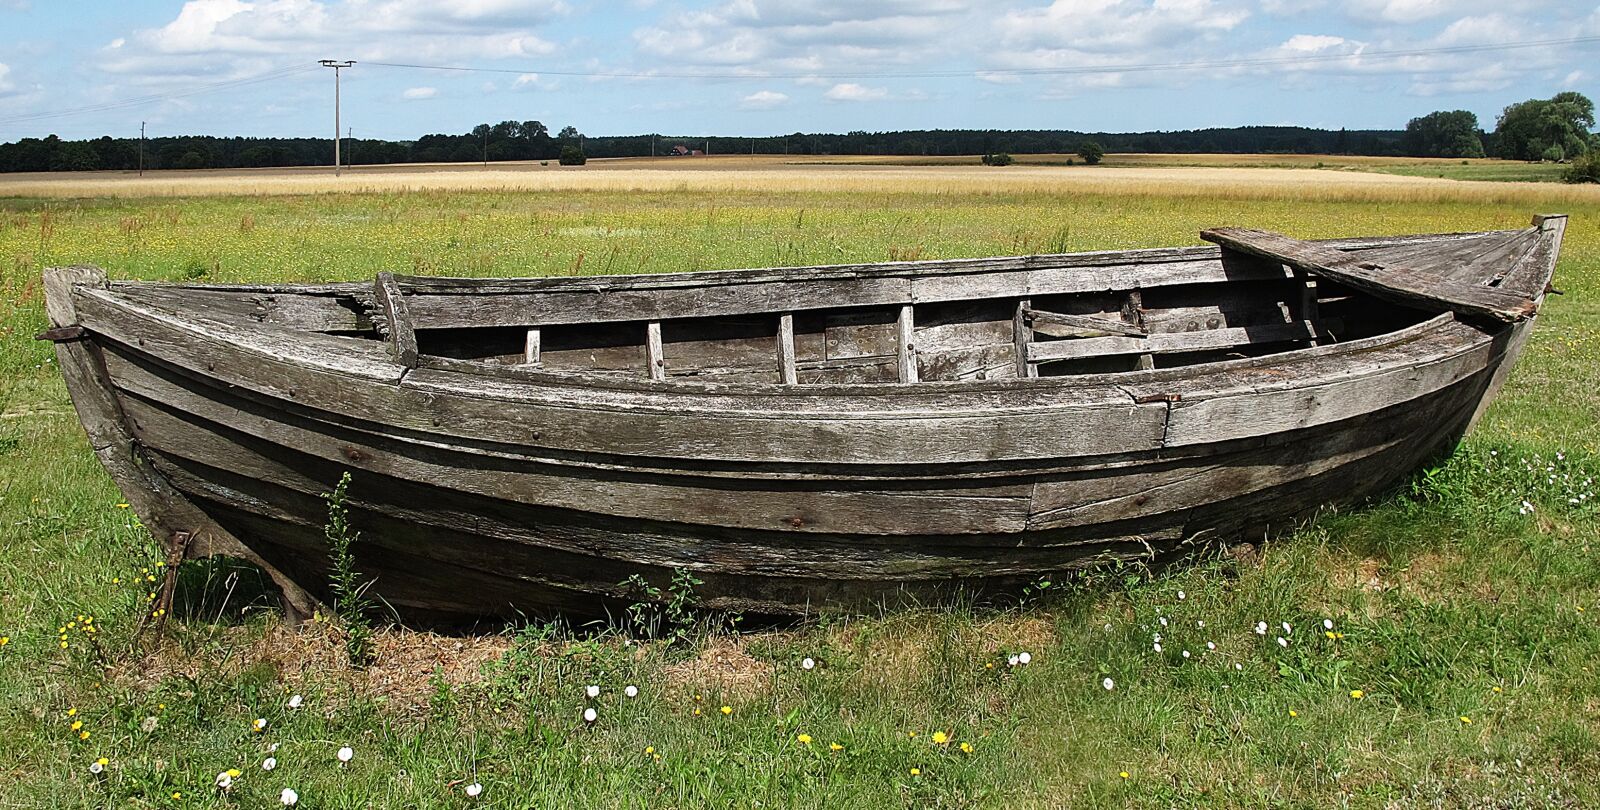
<point x="473" y="790"/>
<point x="71" y="712"/>
<point x="697" y="711"/>
<point x="1293" y="713"/>
<point x="83" y="735"/>
<point x="295" y="701"/>
<point x="269" y="763"/>
<point x="77" y="724"/>
<point x="592" y="691"/>
<point x="966" y="748"/>
<point x="1495" y="690"/>
<point x="726" y="710"/>
<point x="649" y="749"/>
<point x="1357" y="694"/>
<point x="177" y="794"/>
<point x="346" y="754"/>
<point x="835" y="747"/>
<point x="940" y="738"/>
<point x="803" y="739"/>
<point x="4" y="640"/>
<point x="916" y="771"/>
<point x="289" y="797"/>
<point x="590" y="715"/>
<point x="807" y="663"/>
<point x="1465" y="720"/>
<point x="1109" y="684"/>
<point x="259" y="725"/>
<point x="1124" y="774"/>
<point x="630" y="690"/>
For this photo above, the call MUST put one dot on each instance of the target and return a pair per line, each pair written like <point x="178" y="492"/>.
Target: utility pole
<point x="486" y="147"/>
<point x="652" y="145"/>
<point x="141" y="148"/>
<point x="349" y="135"/>
<point x="337" y="66"/>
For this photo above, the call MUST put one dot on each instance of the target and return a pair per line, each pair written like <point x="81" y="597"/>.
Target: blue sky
<point x="759" y="67"/>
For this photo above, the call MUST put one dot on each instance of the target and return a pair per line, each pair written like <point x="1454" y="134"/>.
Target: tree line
<point x="1538" y="129"/>
<point x="1556" y="129"/>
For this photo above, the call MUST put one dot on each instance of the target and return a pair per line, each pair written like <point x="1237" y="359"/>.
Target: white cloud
<point x="763" y="100"/>
<point x="419" y="93"/>
<point x="1573" y="79"/>
<point x="1312" y="43"/>
<point x="850" y="91"/>
<point x="5" y="80"/>
<point x="533" y="81"/>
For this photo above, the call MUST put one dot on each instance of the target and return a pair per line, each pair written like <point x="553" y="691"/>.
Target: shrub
<point x="1091" y="152"/>
<point x="1000" y="159"/>
<point x="1585" y="169"/>
<point x="572" y="156"/>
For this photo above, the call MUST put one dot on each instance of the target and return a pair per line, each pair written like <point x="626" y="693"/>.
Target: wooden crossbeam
<point x="786" y="367"/>
<point x="653" y="352"/>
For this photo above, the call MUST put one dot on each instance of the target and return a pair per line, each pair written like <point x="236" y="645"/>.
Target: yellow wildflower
<point x="83" y="735"/>
<point x="1357" y="694"/>
<point x="1465" y="720"/>
<point x="649" y="749"/>
<point x="940" y="738"/>
<point x="803" y="739"/>
<point x="1124" y="774"/>
<point x="103" y="762"/>
<point x="72" y="711"/>
<point x="835" y="747"/>
<point x="77" y="724"/>
<point x="697" y="711"/>
<point x="916" y="771"/>
<point x="4" y="640"/>
<point x="1496" y="690"/>
<point x="1293" y="713"/>
<point x="122" y="506"/>
<point x="726" y="710"/>
<point x="966" y="748"/>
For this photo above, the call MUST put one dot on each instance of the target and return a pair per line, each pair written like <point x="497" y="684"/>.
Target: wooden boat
<point x="820" y="438"/>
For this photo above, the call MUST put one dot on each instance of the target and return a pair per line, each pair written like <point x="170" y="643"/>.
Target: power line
<point x="139" y="101"/>
<point x="1043" y="71"/>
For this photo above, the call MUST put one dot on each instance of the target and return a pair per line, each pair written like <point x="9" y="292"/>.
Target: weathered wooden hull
<point x="498" y="496"/>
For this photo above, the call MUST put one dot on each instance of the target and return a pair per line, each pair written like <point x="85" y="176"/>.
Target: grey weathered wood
<point x="1022" y="335"/>
<point x="786" y="369"/>
<point x="1082" y="325"/>
<point x="531" y="348"/>
<point x="654" y="356"/>
<point x="492" y="486"/>
<point x="905" y="346"/>
<point x="1438" y="286"/>
<point x="1169" y="342"/>
<point x="397" y="320"/>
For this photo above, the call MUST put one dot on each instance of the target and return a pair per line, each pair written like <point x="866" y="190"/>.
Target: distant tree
<point x="1451" y="133"/>
<point x="998" y="159"/>
<point x="1546" y="129"/>
<point x="572" y="156"/>
<point x="1585" y="169"/>
<point x="1091" y="152"/>
<point x="568" y="133"/>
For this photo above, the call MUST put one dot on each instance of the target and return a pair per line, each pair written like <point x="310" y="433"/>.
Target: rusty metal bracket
<point x="62" y="334"/>
<point x="1149" y="398"/>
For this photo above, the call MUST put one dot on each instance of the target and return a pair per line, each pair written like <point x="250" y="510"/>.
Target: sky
<point x="764" y="67"/>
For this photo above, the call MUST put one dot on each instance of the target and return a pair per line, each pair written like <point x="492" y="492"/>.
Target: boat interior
<point x="982" y="319"/>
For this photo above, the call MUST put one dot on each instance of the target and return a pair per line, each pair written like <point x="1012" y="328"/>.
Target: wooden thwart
<point x="1169" y="342"/>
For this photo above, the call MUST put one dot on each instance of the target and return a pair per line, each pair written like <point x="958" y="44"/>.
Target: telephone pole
<point x="141" y="148"/>
<point x="337" y="66"/>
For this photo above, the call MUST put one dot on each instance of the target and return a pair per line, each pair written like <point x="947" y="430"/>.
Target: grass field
<point x="1459" y="669"/>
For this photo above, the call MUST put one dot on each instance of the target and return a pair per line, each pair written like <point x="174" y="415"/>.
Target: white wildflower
<point x="807" y="663"/>
<point x="289" y="797"/>
<point x="473" y="790"/>
<point x="1261" y="628"/>
<point x="1157" y="646"/>
<point x="1024" y="658"/>
<point x="1283" y="642"/>
<point x="269" y="763"/>
<point x="630" y="690"/>
<point x="592" y="691"/>
<point x="294" y="702"/>
<point x="346" y="754"/>
<point x="1109" y="684"/>
<point x="1327" y="624"/>
<point x="1211" y="645"/>
<point x="590" y="715"/>
<point x="224" y="781"/>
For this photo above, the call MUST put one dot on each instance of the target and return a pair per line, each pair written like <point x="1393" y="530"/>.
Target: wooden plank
<point x="905" y="348"/>
<point x="1022" y="336"/>
<point x="786" y="369"/>
<point x="653" y="356"/>
<point x="1310" y="309"/>
<point x="1169" y="342"/>
<point x="531" y="348"/>
<point x="1082" y="325"/>
<point x="1424" y="284"/>
<point x="397" y="320"/>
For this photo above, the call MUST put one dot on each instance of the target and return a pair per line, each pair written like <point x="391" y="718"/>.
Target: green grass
<point x="1444" y="593"/>
<point x="1499" y="171"/>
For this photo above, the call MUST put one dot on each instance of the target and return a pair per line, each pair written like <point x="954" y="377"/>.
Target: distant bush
<point x="1001" y="159"/>
<point x="572" y="156"/>
<point x="1091" y="152"/>
<point x="1585" y="169"/>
